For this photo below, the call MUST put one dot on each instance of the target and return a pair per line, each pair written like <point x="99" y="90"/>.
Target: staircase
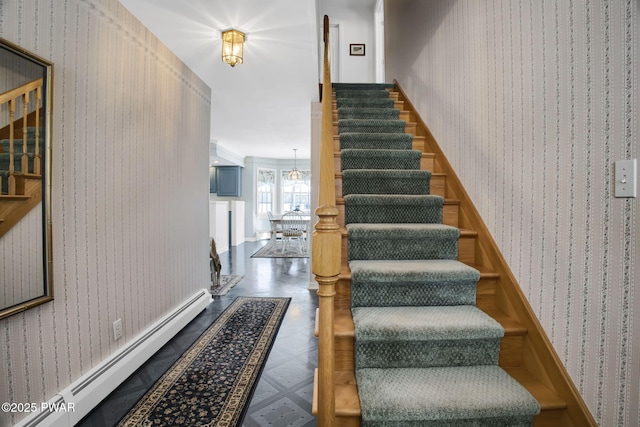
<point x="424" y="333"/>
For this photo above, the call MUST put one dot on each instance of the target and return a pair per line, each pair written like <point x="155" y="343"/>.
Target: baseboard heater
<point x="70" y="405"/>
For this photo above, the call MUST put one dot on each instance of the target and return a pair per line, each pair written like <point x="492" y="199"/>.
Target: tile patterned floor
<point x="284" y="392"/>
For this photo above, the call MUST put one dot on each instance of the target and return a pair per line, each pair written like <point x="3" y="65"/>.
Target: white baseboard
<point x="73" y="403"/>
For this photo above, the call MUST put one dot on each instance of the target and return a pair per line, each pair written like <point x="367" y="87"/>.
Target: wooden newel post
<point x="326" y="258"/>
<point x="326" y="267"/>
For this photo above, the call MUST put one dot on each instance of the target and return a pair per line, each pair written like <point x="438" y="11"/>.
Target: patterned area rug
<point x="226" y="283"/>
<point x="271" y="251"/>
<point x="212" y="382"/>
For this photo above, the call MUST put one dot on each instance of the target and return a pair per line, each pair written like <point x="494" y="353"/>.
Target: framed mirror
<point x="25" y="180"/>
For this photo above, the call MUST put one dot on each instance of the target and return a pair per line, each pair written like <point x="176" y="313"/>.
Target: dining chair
<point x="293" y="227"/>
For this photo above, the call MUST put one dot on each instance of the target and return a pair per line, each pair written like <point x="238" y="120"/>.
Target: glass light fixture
<point x="232" y="47"/>
<point x="295" y="174"/>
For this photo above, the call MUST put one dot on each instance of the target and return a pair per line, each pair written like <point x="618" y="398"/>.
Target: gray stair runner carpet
<point x="425" y="355"/>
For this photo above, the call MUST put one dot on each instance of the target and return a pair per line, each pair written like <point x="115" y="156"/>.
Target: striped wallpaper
<point x="533" y="101"/>
<point x="130" y="190"/>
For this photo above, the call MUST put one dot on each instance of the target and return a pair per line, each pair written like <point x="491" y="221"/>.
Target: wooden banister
<point x="10" y="98"/>
<point x="326" y="252"/>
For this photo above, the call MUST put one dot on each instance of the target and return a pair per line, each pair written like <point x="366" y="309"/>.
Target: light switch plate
<point x="626" y="178"/>
<point x="117" y="329"/>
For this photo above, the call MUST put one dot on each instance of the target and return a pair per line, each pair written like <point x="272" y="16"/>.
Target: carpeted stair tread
<point x="353" y="158"/>
<point x="371" y="125"/>
<point x="365" y="102"/>
<point x="372" y="141"/>
<point x="385" y="181"/>
<point x="362" y="86"/>
<point x="368" y="113"/>
<point x="361" y="93"/>
<point x="417" y="323"/>
<point x="403" y="231"/>
<point x="431" y="282"/>
<point x="444" y="396"/>
<point x="403" y="337"/>
<point x="402" y="241"/>
<point x="412" y="271"/>
<point x="386" y="208"/>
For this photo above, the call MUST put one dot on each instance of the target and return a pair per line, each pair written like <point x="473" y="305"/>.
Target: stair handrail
<point x="10" y="97"/>
<point x="326" y="250"/>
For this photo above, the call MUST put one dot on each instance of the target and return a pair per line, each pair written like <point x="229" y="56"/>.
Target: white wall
<point x="533" y="101"/>
<point x="356" y="27"/>
<point x="129" y="188"/>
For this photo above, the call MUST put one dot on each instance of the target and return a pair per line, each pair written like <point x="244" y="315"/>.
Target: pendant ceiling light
<point x="295" y="174"/>
<point x="232" y="47"/>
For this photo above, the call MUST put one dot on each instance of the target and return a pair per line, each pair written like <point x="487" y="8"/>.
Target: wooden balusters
<point x="25" y="128"/>
<point x="11" y="179"/>
<point x="37" y="162"/>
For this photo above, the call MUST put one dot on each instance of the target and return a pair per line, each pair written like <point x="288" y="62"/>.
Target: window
<point x="266" y="187"/>
<point x="296" y="195"/>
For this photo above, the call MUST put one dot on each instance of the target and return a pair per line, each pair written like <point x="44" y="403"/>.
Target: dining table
<point x="275" y="223"/>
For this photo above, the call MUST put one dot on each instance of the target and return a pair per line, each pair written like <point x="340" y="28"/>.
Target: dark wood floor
<point x="284" y="392"/>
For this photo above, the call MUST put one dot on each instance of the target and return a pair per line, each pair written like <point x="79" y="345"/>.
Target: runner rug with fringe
<point x="213" y="381"/>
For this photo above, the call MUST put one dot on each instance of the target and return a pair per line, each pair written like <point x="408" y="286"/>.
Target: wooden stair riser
<point x="427" y="161"/>
<point x="450" y="213"/>
<point x="486" y="294"/>
<point x="437" y="185"/>
<point x="342" y="299"/>
<point x="418" y="143"/>
<point x="551" y="418"/>
<point x="344" y="360"/>
<point x="467" y="247"/>
<point x="511" y="347"/>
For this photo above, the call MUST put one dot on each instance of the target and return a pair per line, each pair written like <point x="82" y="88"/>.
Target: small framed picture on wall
<point x="356" y="49"/>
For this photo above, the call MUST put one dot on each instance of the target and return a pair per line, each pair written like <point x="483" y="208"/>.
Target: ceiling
<point x="260" y="108"/>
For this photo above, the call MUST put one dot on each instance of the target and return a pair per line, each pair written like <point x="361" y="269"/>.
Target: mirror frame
<point x="47" y="253"/>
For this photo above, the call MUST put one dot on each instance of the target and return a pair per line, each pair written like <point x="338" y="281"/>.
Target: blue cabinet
<point x="229" y="181"/>
<point x="213" y="187"/>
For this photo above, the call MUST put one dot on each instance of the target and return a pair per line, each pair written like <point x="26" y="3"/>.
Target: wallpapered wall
<point x="533" y="101"/>
<point x="130" y="190"/>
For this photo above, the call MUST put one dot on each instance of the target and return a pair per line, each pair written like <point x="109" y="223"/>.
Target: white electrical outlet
<point x="626" y="178"/>
<point x="117" y="329"/>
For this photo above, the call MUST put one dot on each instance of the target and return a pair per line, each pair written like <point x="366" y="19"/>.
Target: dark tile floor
<point x="284" y="392"/>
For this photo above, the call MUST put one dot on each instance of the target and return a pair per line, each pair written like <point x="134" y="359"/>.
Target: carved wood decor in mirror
<point x="25" y="184"/>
